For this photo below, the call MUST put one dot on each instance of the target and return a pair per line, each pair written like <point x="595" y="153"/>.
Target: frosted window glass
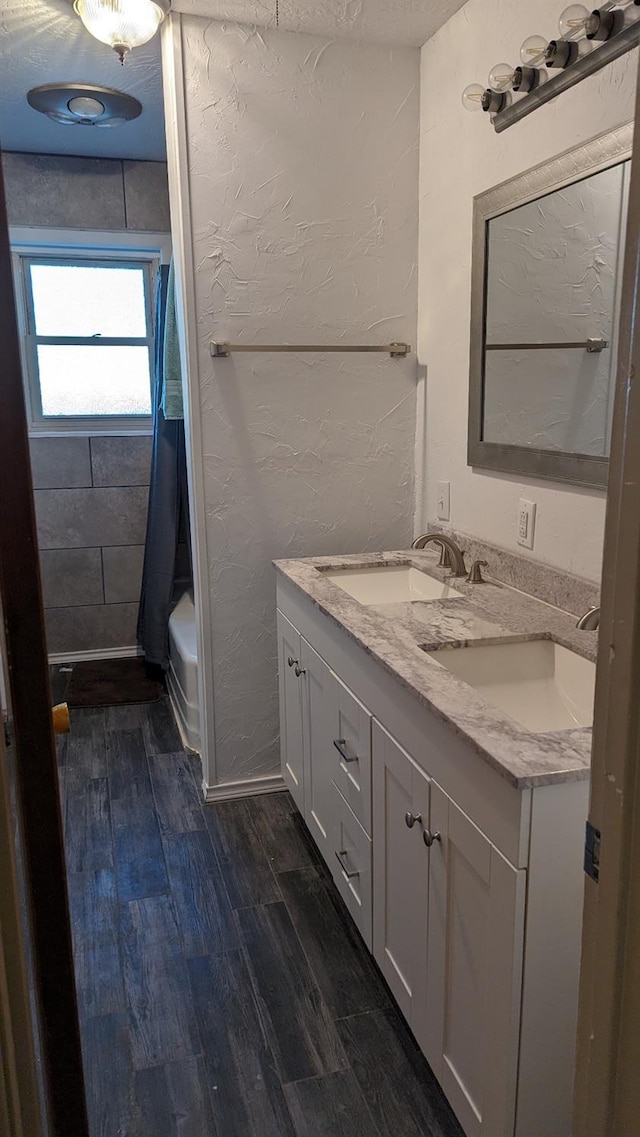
<point x="89" y="300"/>
<point x="97" y="380"/>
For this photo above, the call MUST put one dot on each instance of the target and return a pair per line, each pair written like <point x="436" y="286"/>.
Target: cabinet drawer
<point x="351" y="865"/>
<point x="352" y="753"/>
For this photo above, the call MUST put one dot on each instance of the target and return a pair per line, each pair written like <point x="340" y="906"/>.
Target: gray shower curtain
<point x="167" y="555"/>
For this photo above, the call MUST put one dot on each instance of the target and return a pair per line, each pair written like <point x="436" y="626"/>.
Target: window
<point x="88" y="340"/>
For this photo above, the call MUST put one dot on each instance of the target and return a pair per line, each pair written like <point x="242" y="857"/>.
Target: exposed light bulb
<point x="534" y="51"/>
<point x="472" y="97"/>
<point x="501" y="77"/>
<point x="574" y="22"/>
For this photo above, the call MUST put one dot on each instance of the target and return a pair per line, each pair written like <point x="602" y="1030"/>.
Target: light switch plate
<point x="443" y="509"/>
<point x="526" y="523"/>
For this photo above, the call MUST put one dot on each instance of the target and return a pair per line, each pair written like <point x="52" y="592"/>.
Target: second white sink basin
<point x="540" y="684"/>
<point x="390" y="584"/>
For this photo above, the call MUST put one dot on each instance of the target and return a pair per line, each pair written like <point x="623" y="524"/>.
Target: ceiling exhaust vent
<point x="78" y="104"/>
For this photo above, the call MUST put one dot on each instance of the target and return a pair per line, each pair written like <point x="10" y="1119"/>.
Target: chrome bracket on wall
<point x="222" y="350"/>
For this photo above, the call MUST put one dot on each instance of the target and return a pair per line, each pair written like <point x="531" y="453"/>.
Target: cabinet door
<point x="318" y="701"/>
<point x="476" y="932"/>
<point x="352" y="753"/>
<point x="290" y="692"/>
<point x="400" y="876"/>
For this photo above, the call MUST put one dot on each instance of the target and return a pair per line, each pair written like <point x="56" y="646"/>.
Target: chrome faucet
<point x="590" y="621"/>
<point x="453" y="557"/>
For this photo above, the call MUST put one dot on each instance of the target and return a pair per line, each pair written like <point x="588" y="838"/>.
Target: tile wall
<point x="86" y="193"/>
<point x="91" y="493"/>
<point x="91" y="509"/>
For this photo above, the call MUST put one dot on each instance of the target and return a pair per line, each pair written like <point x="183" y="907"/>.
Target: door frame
<point x="608" y="1041"/>
<point x="37" y="838"/>
<point x="21" y="1111"/>
<point x="175" y="121"/>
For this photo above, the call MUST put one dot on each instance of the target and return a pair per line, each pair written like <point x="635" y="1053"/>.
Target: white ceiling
<point x="405" y="22"/>
<point x="43" y="41"/>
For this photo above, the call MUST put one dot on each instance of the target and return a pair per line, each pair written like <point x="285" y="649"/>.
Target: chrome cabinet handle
<point x="348" y="873"/>
<point x="429" y="837"/>
<point x="299" y="670"/>
<point x="291" y="661"/>
<point x="411" y="818"/>
<point x="340" y="744"/>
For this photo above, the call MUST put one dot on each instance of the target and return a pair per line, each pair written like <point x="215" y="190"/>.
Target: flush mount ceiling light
<point x="122" y="24"/>
<point x="76" y="104"/>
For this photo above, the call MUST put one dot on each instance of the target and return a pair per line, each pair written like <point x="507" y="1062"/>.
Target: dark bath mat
<point x="109" y="682"/>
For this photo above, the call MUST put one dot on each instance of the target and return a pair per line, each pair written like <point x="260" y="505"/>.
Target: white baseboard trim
<point x="270" y="785"/>
<point x="98" y="653"/>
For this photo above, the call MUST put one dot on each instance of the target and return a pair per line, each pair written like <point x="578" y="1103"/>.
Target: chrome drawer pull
<point x="299" y="670"/>
<point x="429" y="838"/>
<point x="340" y="744"/>
<point x="291" y="661"/>
<point x="411" y="818"/>
<point x="349" y="874"/>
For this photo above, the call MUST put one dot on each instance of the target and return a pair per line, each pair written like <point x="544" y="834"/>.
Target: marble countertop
<point x="397" y="635"/>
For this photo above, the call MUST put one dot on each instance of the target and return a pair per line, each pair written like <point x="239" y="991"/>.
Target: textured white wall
<point x="461" y="155"/>
<point x="303" y="179"/>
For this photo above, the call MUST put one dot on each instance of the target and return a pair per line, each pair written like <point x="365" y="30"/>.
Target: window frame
<point x="62" y="247"/>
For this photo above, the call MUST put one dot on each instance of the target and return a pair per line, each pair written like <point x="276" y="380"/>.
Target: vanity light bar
<point x="591" y="44"/>
<point x="222" y="350"/>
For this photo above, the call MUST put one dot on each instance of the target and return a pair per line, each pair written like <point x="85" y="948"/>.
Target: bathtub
<point x="182" y="677"/>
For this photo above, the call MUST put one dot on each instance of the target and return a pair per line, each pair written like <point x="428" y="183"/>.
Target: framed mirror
<point x="546" y="280"/>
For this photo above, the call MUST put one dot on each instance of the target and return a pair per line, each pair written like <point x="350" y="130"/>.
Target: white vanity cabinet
<point x="467" y="888"/>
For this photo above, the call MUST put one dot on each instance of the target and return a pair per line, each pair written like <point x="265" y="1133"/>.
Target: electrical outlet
<point x="443" y="510"/>
<point x="526" y="522"/>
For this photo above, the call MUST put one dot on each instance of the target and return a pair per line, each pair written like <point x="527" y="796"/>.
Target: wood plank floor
<point x="223" y="990"/>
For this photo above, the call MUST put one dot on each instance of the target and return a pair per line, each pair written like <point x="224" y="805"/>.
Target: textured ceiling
<point x="43" y="41"/>
<point x="407" y="22"/>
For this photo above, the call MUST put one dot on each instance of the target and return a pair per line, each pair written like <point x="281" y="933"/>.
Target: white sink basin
<point x="538" y="683"/>
<point x="390" y="584"/>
